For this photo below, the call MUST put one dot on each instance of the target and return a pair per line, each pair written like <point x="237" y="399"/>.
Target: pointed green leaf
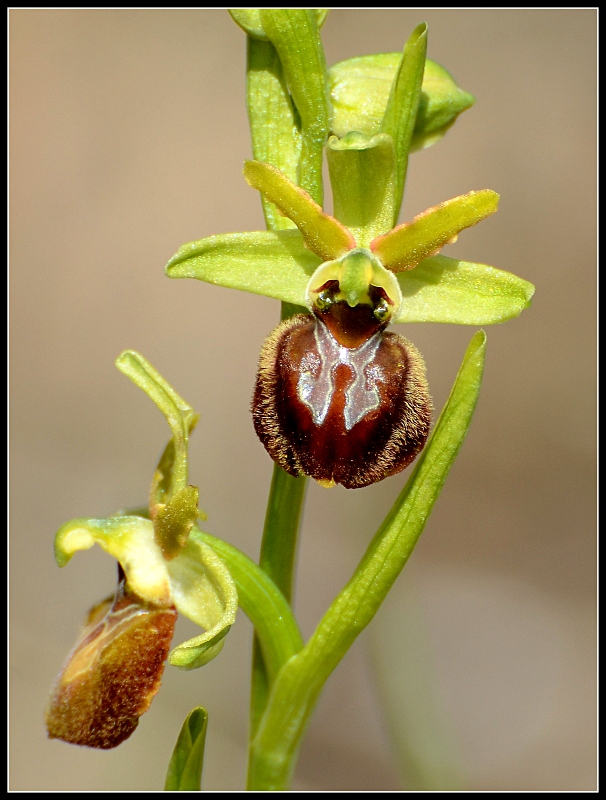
<point x="185" y="768"/>
<point x="300" y="681"/>
<point x="294" y="33"/>
<point x="401" y="111"/>
<point x="442" y="289"/>
<point x="263" y="603"/>
<point x="362" y="176"/>
<point x="273" y="264"/>
<point x="359" y="89"/>
<point x="408" y="244"/>
<point x="274" y="125"/>
<point x="323" y="234"/>
<point x="249" y="19"/>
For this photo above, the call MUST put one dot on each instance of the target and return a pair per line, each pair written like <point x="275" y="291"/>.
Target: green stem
<point x="276" y="140"/>
<point x="300" y="681"/>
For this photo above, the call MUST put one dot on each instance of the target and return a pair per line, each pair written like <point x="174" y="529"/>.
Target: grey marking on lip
<point x="362" y="395"/>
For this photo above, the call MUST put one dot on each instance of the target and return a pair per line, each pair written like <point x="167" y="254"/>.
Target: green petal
<point x="359" y="89"/>
<point x="442" y="289"/>
<point x="407" y="245"/>
<point x="203" y="590"/>
<point x="294" y="33"/>
<point x="323" y="234"/>
<point x="275" y="264"/>
<point x="362" y="176"/>
<point x="249" y="19"/>
<point x="185" y="768"/>
<point x="274" y="123"/>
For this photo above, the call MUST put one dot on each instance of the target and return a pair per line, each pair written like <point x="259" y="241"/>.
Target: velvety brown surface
<point x="112" y="674"/>
<point x="383" y="442"/>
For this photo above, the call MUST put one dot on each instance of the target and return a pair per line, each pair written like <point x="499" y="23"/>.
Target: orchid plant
<point x="339" y="398"/>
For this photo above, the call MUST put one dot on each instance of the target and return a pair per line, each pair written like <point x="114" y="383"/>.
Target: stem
<point x="277" y="559"/>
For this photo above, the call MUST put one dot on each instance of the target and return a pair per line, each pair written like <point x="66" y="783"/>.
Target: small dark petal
<point x="341" y="415"/>
<point x="112" y="674"/>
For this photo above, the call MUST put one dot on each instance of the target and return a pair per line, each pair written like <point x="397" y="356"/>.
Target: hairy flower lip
<point x="351" y="416"/>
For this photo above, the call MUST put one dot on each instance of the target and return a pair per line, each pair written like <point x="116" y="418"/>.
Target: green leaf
<point x="274" y="125"/>
<point x="274" y="264"/>
<point x="324" y="235"/>
<point x="401" y="110"/>
<point x="294" y="33"/>
<point x="359" y="89"/>
<point x="362" y="176"/>
<point x="185" y="768"/>
<point x="249" y="19"/>
<point x="408" y="244"/>
<point x="442" y="289"/>
<point x="300" y="681"/>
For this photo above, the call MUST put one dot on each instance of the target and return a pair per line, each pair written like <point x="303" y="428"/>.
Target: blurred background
<point x="128" y="132"/>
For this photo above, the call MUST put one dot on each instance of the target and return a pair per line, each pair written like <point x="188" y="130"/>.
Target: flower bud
<point x="113" y="673"/>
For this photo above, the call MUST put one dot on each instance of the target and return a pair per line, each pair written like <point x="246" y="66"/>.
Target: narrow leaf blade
<point x="185" y="768"/>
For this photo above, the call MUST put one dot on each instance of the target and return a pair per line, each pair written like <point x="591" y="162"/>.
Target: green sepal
<point x="363" y="179"/>
<point x="128" y="539"/>
<point x="249" y="19"/>
<point x="359" y="90"/>
<point x="274" y="264"/>
<point x="407" y="245"/>
<point x="442" y="289"/>
<point x="184" y="772"/>
<point x="401" y="110"/>
<point x="274" y="124"/>
<point x="204" y="591"/>
<point x="295" y="35"/>
<point x="179" y="414"/>
<point x="324" y="235"/>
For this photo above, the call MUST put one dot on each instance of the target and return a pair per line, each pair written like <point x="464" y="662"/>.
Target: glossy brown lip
<point x="338" y="433"/>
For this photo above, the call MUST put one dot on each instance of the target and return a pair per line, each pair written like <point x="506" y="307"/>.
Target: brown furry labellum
<point x="339" y="399"/>
<point x="113" y="672"/>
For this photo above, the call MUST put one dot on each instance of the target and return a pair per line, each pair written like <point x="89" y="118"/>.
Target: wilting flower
<point x="164" y="568"/>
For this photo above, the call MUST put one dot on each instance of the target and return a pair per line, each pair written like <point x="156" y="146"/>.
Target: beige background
<point x="128" y="133"/>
